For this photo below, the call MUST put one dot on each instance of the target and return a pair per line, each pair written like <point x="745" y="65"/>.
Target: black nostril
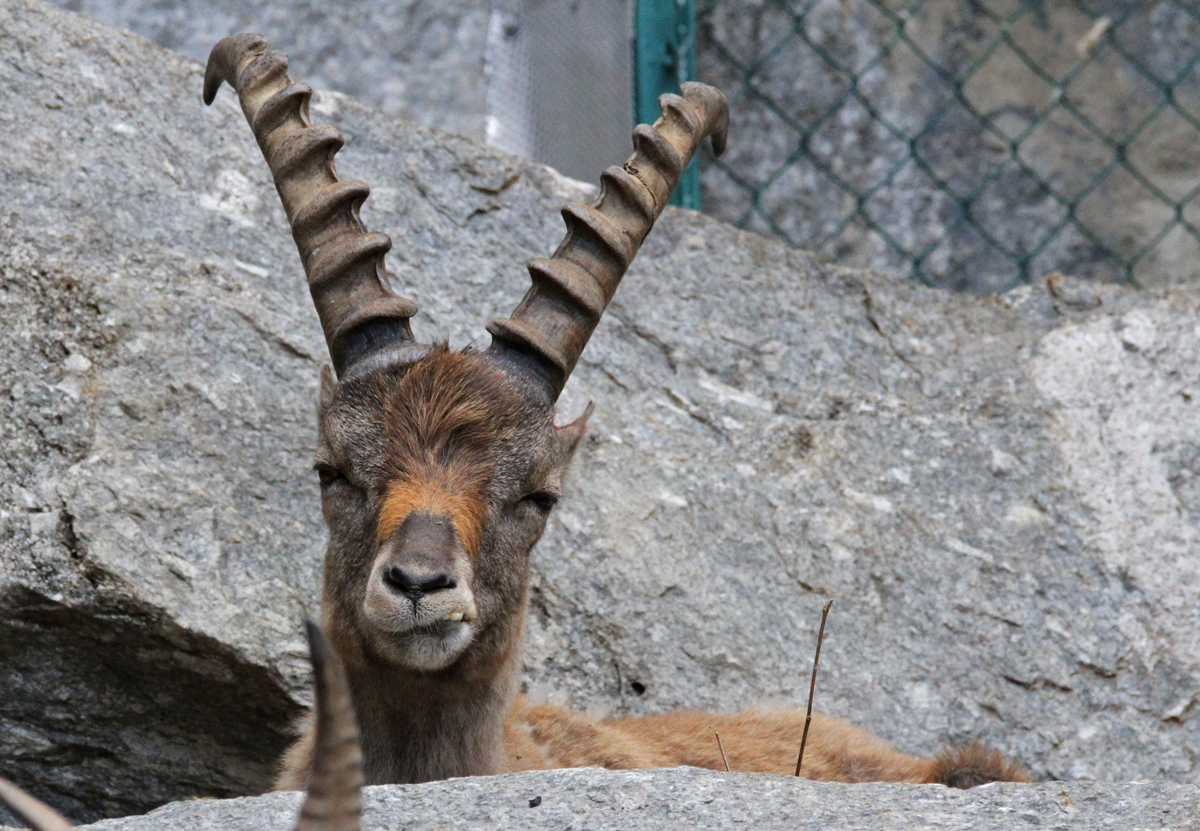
<point x="416" y="585"/>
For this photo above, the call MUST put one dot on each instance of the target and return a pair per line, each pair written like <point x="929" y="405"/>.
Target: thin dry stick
<point x="812" y="685"/>
<point x="721" y="748"/>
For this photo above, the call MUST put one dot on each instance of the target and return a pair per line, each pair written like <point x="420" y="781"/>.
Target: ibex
<point x="438" y="470"/>
<point x="334" y="798"/>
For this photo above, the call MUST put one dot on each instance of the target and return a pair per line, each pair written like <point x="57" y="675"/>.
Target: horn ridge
<point x="279" y="106"/>
<point x="593" y="236"/>
<point x="570" y="280"/>
<point x="295" y="153"/>
<point x="547" y="332"/>
<point x="635" y="193"/>
<point x="324" y="208"/>
<point x="344" y="262"/>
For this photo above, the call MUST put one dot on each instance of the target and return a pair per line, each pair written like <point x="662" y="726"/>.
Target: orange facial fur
<point x="436" y="497"/>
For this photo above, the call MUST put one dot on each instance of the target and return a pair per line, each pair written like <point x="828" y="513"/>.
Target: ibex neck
<point x="420" y="728"/>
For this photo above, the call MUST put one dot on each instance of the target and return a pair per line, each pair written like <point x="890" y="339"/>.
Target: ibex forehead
<point x="442" y="398"/>
<point x="456" y="405"/>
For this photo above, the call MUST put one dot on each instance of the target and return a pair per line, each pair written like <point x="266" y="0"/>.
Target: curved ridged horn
<point x="34" y="813"/>
<point x="549" y="329"/>
<point x="334" y="800"/>
<point x="344" y="262"/>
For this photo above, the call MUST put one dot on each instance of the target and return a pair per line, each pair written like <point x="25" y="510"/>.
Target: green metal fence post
<point x="664" y="56"/>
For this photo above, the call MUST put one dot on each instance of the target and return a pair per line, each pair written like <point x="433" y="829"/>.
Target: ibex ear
<point x="570" y="435"/>
<point x="328" y="386"/>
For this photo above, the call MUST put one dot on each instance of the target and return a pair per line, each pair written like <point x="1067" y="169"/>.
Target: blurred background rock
<point x="969" y="145"/>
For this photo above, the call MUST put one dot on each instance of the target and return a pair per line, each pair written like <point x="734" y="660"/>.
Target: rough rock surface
<point x="695" y="800"/>
<point x="1001" y="494"/>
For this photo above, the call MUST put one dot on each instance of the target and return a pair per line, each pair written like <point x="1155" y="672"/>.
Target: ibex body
<point x="438" y="471"/>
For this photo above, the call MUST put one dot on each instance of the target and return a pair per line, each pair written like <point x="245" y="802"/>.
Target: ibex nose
<point x="415" y="585"/>
<point x="420" y="556"/>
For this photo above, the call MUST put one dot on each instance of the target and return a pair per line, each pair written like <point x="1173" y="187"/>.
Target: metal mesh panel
<point x="974" y="145"/>
<point x="560" y="89"/>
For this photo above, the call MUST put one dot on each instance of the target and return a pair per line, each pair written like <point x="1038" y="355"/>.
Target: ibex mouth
<point x="419" y="620"/>
<point x="439" y="629"/>
<point x="400" y="614"/>
<point x="429" y="647"/>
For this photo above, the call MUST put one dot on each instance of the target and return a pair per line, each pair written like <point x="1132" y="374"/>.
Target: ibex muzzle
<point x="420" y="591"/>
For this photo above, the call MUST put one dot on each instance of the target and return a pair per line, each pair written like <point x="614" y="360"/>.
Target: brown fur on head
<point x="437" y="478"/>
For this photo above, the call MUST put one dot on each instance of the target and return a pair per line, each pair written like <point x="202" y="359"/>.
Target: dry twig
<point x="721" y="748"/>
<point x="812" y="685"/>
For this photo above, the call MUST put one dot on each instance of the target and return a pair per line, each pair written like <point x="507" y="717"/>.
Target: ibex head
<point x="438" y="469"/>
<point x="437" y="476"/>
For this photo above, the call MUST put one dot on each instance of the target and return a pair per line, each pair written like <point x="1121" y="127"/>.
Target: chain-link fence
<point x="974" y="145"/>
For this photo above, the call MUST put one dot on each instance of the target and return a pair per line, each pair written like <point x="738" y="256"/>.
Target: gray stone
<point x="999" y="493"/>
<point x="696" y="800"/>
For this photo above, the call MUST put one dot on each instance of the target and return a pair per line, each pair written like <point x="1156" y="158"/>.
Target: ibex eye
<point x="543" y="500"/>
<point x="327" y="473"/>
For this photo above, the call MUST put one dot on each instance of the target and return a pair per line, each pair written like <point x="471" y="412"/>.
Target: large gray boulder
<point x="1001" y="494"/>
<point x="686" y="799"/>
